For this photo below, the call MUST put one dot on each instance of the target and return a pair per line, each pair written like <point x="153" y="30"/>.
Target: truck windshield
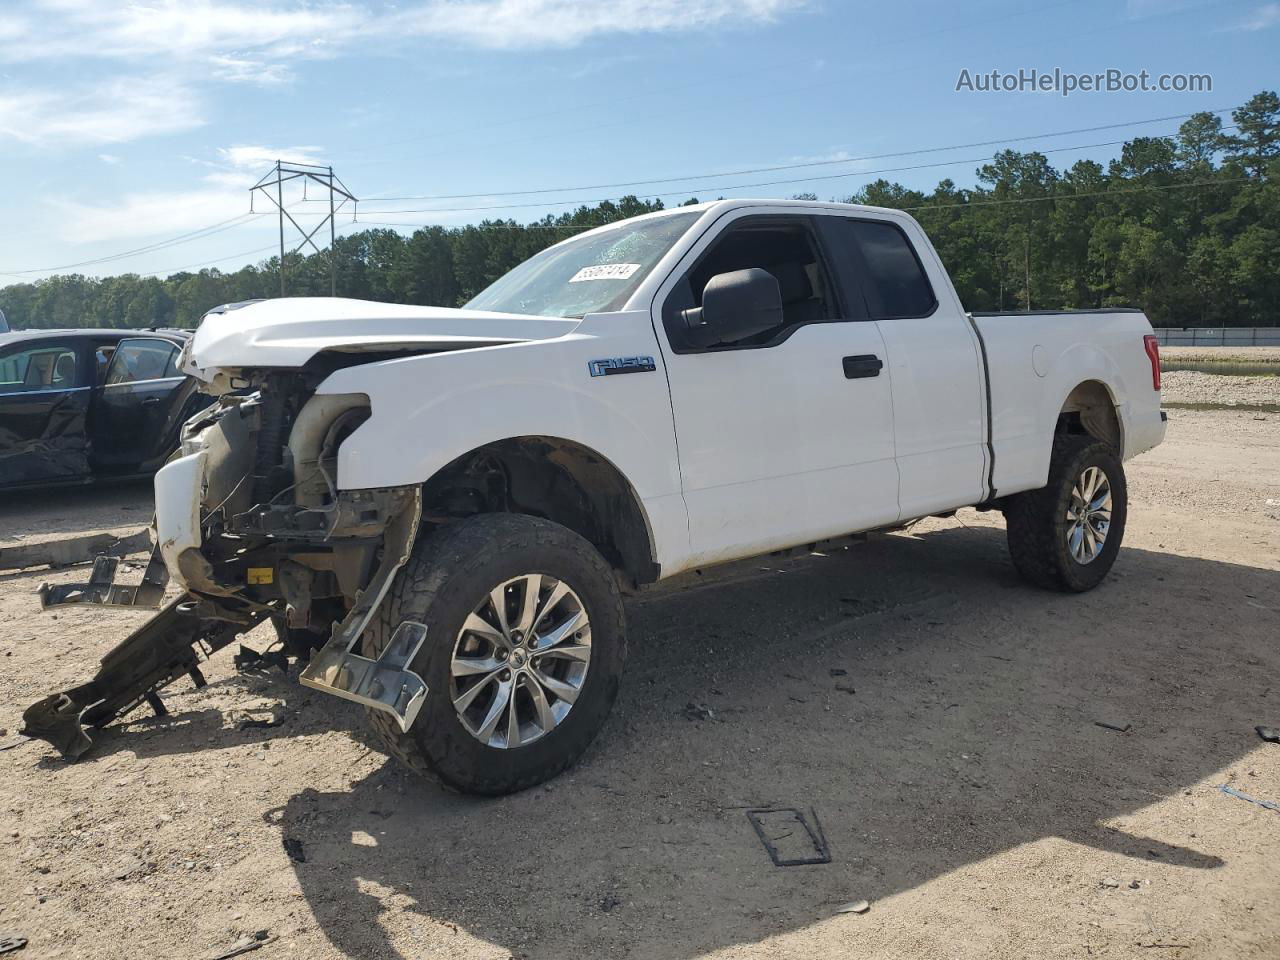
<point x="591" y="274"/>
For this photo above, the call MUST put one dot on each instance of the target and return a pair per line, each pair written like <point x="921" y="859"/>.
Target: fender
<point x="429" y="410"/>
<point x="1029" y="388"/>
<point x="1077" y="364"/>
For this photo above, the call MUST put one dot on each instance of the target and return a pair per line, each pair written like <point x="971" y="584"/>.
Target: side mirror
<point x="735" y="306"/>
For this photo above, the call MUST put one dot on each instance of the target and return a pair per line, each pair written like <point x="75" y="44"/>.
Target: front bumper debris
<point x="170" y="645"/>
<point x="103" y="590"/>
<point x="240" y="558"/>
<point x="386" y="684"/>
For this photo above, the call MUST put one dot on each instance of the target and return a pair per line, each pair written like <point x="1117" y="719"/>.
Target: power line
<point x="234" y="256"/>
<point x="913" y="40"/>
<point x="197" y="234"/>
<point x="795" y="166"/>
<point x="1074" y="196"/>
<point x="923" y="207"/>
<point x="743" y="186"/>
<point x="486" y="226"/>
<point x="578" y="228"/>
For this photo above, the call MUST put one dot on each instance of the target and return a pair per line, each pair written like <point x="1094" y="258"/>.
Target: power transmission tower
<point x="275" y="179"/>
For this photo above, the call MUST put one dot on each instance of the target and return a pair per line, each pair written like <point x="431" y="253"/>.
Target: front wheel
<point x="1065" y="536"/>
<point x="523" y="657"/>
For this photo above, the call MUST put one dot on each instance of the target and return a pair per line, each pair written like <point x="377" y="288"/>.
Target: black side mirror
<point x="735" y="306"/>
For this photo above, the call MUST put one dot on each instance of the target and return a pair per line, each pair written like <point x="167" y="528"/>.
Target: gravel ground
<point x="1193" y="387"/>
<point x="940" y="718"/>
<point x="1221" y="354"/>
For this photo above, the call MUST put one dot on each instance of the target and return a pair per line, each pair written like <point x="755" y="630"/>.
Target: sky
<point x="131" y="132"/>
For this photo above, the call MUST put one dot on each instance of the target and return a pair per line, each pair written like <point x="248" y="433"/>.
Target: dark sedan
<point x="77" y="406"/>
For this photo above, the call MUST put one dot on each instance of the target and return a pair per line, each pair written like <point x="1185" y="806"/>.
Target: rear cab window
<point x="878" y="262"/>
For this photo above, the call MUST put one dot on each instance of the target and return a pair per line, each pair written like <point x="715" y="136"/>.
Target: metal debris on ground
<point x="103" y="590"/>
<point x="838" y="672"/>
<point x="789" y="838"/>
<point x="1269" y="734"/>
<point x="1117" y="727"/>
<point x="698" y="711"/>
<point x="293" y="847"/>
<point x="73" y="550"/>
<point x="260" y="723"/>
<point x="248" y="658"/>
<point x="1232" y="792"/>
<point x="9" y="942"/>
<point x="857" y="906"/>
<point x="247" y="945"/>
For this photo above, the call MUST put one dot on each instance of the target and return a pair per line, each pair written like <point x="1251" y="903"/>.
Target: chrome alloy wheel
<point x="1089" y="515"/>
<point x="520" y="660"/>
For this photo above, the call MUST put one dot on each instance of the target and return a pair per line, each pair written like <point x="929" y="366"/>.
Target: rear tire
<point x="1054" y="532"/>
<point x="450" y="579"/>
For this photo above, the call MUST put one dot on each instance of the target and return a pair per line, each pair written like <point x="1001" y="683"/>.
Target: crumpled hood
<point x="290" y="331"/>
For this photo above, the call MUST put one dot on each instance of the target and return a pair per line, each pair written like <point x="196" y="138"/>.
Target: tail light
<point x="1152" y="346"/>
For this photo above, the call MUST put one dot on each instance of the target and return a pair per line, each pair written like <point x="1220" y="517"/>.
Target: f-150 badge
<point x="607" y="368"/>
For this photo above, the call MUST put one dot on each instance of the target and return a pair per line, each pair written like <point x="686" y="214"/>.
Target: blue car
<point x="80" y="406"/>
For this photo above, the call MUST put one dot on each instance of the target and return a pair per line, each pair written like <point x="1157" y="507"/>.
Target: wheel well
<point x="1090" y="409"/>
<point x="555" y="479"/>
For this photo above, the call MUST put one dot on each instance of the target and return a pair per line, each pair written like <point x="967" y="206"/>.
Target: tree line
<point x="1185" y="227"/>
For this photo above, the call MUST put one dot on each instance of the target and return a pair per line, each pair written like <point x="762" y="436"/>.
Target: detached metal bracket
<point x="386" y="683"/>
<point x="808" y="844"/>
<point x="104" y="591"/>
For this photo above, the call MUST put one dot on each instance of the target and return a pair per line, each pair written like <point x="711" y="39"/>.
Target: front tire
<point x="524" y="653"/>
<point x="1066" y="535"/>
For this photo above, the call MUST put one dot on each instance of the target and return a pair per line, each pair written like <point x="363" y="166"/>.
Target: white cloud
<point x="566" y="23"/>
<point x="222" y="194"/>
<point x="1262" y="18"/>
<point x="116" y="111"/>
<point x="248" y="41"/>
<point x="191" y="44"/>
<point x="109" y="158"/>
<point x="250" y="70"/>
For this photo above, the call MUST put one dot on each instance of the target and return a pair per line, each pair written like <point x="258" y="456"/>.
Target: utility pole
<point x="278" y="176"/>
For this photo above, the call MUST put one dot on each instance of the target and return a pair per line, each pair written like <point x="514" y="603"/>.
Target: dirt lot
<point x="939" y="716"/>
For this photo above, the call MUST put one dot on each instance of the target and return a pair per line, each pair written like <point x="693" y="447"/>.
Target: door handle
<point x="150" y="401"/>
<point x="858" y="368"/>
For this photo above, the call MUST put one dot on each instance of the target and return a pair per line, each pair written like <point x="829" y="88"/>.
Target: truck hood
<point x="290" y="331"/>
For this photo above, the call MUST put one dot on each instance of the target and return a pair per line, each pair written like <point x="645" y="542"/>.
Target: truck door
<point x="787" y="437"/>
<point x="130" y="423"/>
<point x="43" y="400"/>
<point x="934" y="359"/>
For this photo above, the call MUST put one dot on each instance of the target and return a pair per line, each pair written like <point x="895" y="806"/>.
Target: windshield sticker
<point x="605" y="271"/>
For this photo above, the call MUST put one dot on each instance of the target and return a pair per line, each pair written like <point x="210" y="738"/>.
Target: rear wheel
<point x="524" y="652"/>
<point x="1066" y="535"/>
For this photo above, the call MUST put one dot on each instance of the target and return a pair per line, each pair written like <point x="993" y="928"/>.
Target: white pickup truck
<point x="440" y="508"/>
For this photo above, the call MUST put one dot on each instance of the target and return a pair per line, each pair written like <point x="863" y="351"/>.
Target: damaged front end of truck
<point x="252" y="525"/>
